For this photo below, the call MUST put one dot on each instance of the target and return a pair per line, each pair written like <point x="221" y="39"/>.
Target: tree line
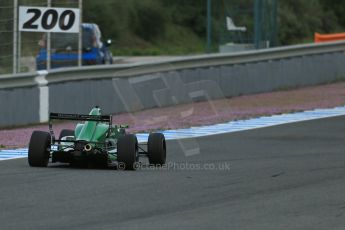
<point x="150" y="22"/>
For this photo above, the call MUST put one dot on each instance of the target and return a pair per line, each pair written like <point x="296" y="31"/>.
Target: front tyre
<point x="39" y="149"/>
<point x="65" y="133"/>
<point x="156" y="149"/>
<point x="127" y="152"/>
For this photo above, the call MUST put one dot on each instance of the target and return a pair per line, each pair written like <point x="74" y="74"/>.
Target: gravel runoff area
<point x="205" y="113"/>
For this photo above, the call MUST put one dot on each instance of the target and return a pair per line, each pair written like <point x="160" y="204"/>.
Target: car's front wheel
<point x="39" y="149"/>
<point x="65" y="133"/>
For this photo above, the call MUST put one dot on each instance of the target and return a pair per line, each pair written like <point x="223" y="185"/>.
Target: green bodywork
<point x="97" y="133"/>
<point x="92" y="131"/>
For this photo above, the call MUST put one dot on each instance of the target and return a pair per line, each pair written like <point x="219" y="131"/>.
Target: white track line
<point x="229" y="127"/>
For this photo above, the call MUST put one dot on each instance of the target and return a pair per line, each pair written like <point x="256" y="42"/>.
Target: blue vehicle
<point x="64" y="49"/>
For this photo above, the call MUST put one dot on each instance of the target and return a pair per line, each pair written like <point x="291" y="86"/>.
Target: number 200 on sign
<point x="52" y="19"/>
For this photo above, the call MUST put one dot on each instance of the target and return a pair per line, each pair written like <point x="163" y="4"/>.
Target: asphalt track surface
<point x="284" y="177"/>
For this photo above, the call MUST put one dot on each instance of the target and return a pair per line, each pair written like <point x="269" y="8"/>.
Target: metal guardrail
<point x="198" y="61"/>
<point x="18" y="80"/>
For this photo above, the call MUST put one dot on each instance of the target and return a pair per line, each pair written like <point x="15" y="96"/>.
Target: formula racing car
<point x="96" y="141"/>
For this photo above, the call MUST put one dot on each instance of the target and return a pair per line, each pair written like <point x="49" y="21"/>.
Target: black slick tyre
<point x="156" y="149"/>
<point x="127" y="152"/>
<point x="66" y="132"/>
<point x="39" y="149"/>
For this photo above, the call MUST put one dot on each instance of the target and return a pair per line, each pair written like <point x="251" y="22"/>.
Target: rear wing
<point x="80" y="117"/>
<point x="76" y="117"/>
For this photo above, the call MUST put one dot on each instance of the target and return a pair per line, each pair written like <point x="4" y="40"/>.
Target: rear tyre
<point x="156" y="149"/>
<point x="39" y="149"/>
<point x="127" y="152"/>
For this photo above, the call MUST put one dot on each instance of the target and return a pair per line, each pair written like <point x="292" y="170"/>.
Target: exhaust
<point x="87" y="148"/>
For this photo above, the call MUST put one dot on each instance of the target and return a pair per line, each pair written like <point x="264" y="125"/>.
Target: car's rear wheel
<point x="39" y="149"/>
<point x="156" y="149"/>
<point x="127" y="152"/>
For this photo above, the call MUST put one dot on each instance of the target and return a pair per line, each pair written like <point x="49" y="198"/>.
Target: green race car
<point x="95" y="142"/>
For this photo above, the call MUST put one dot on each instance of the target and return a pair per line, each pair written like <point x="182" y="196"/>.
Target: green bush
<point x="148" y="20"/>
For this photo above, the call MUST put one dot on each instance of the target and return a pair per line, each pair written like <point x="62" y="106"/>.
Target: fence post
<point x="80" y="35"/>
<point x="257" y="23"/>
<point x="15" y="36"/>
<point x="209" y="26"/>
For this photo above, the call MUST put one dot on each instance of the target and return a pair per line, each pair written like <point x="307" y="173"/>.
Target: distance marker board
<point x="49" y="19"/>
